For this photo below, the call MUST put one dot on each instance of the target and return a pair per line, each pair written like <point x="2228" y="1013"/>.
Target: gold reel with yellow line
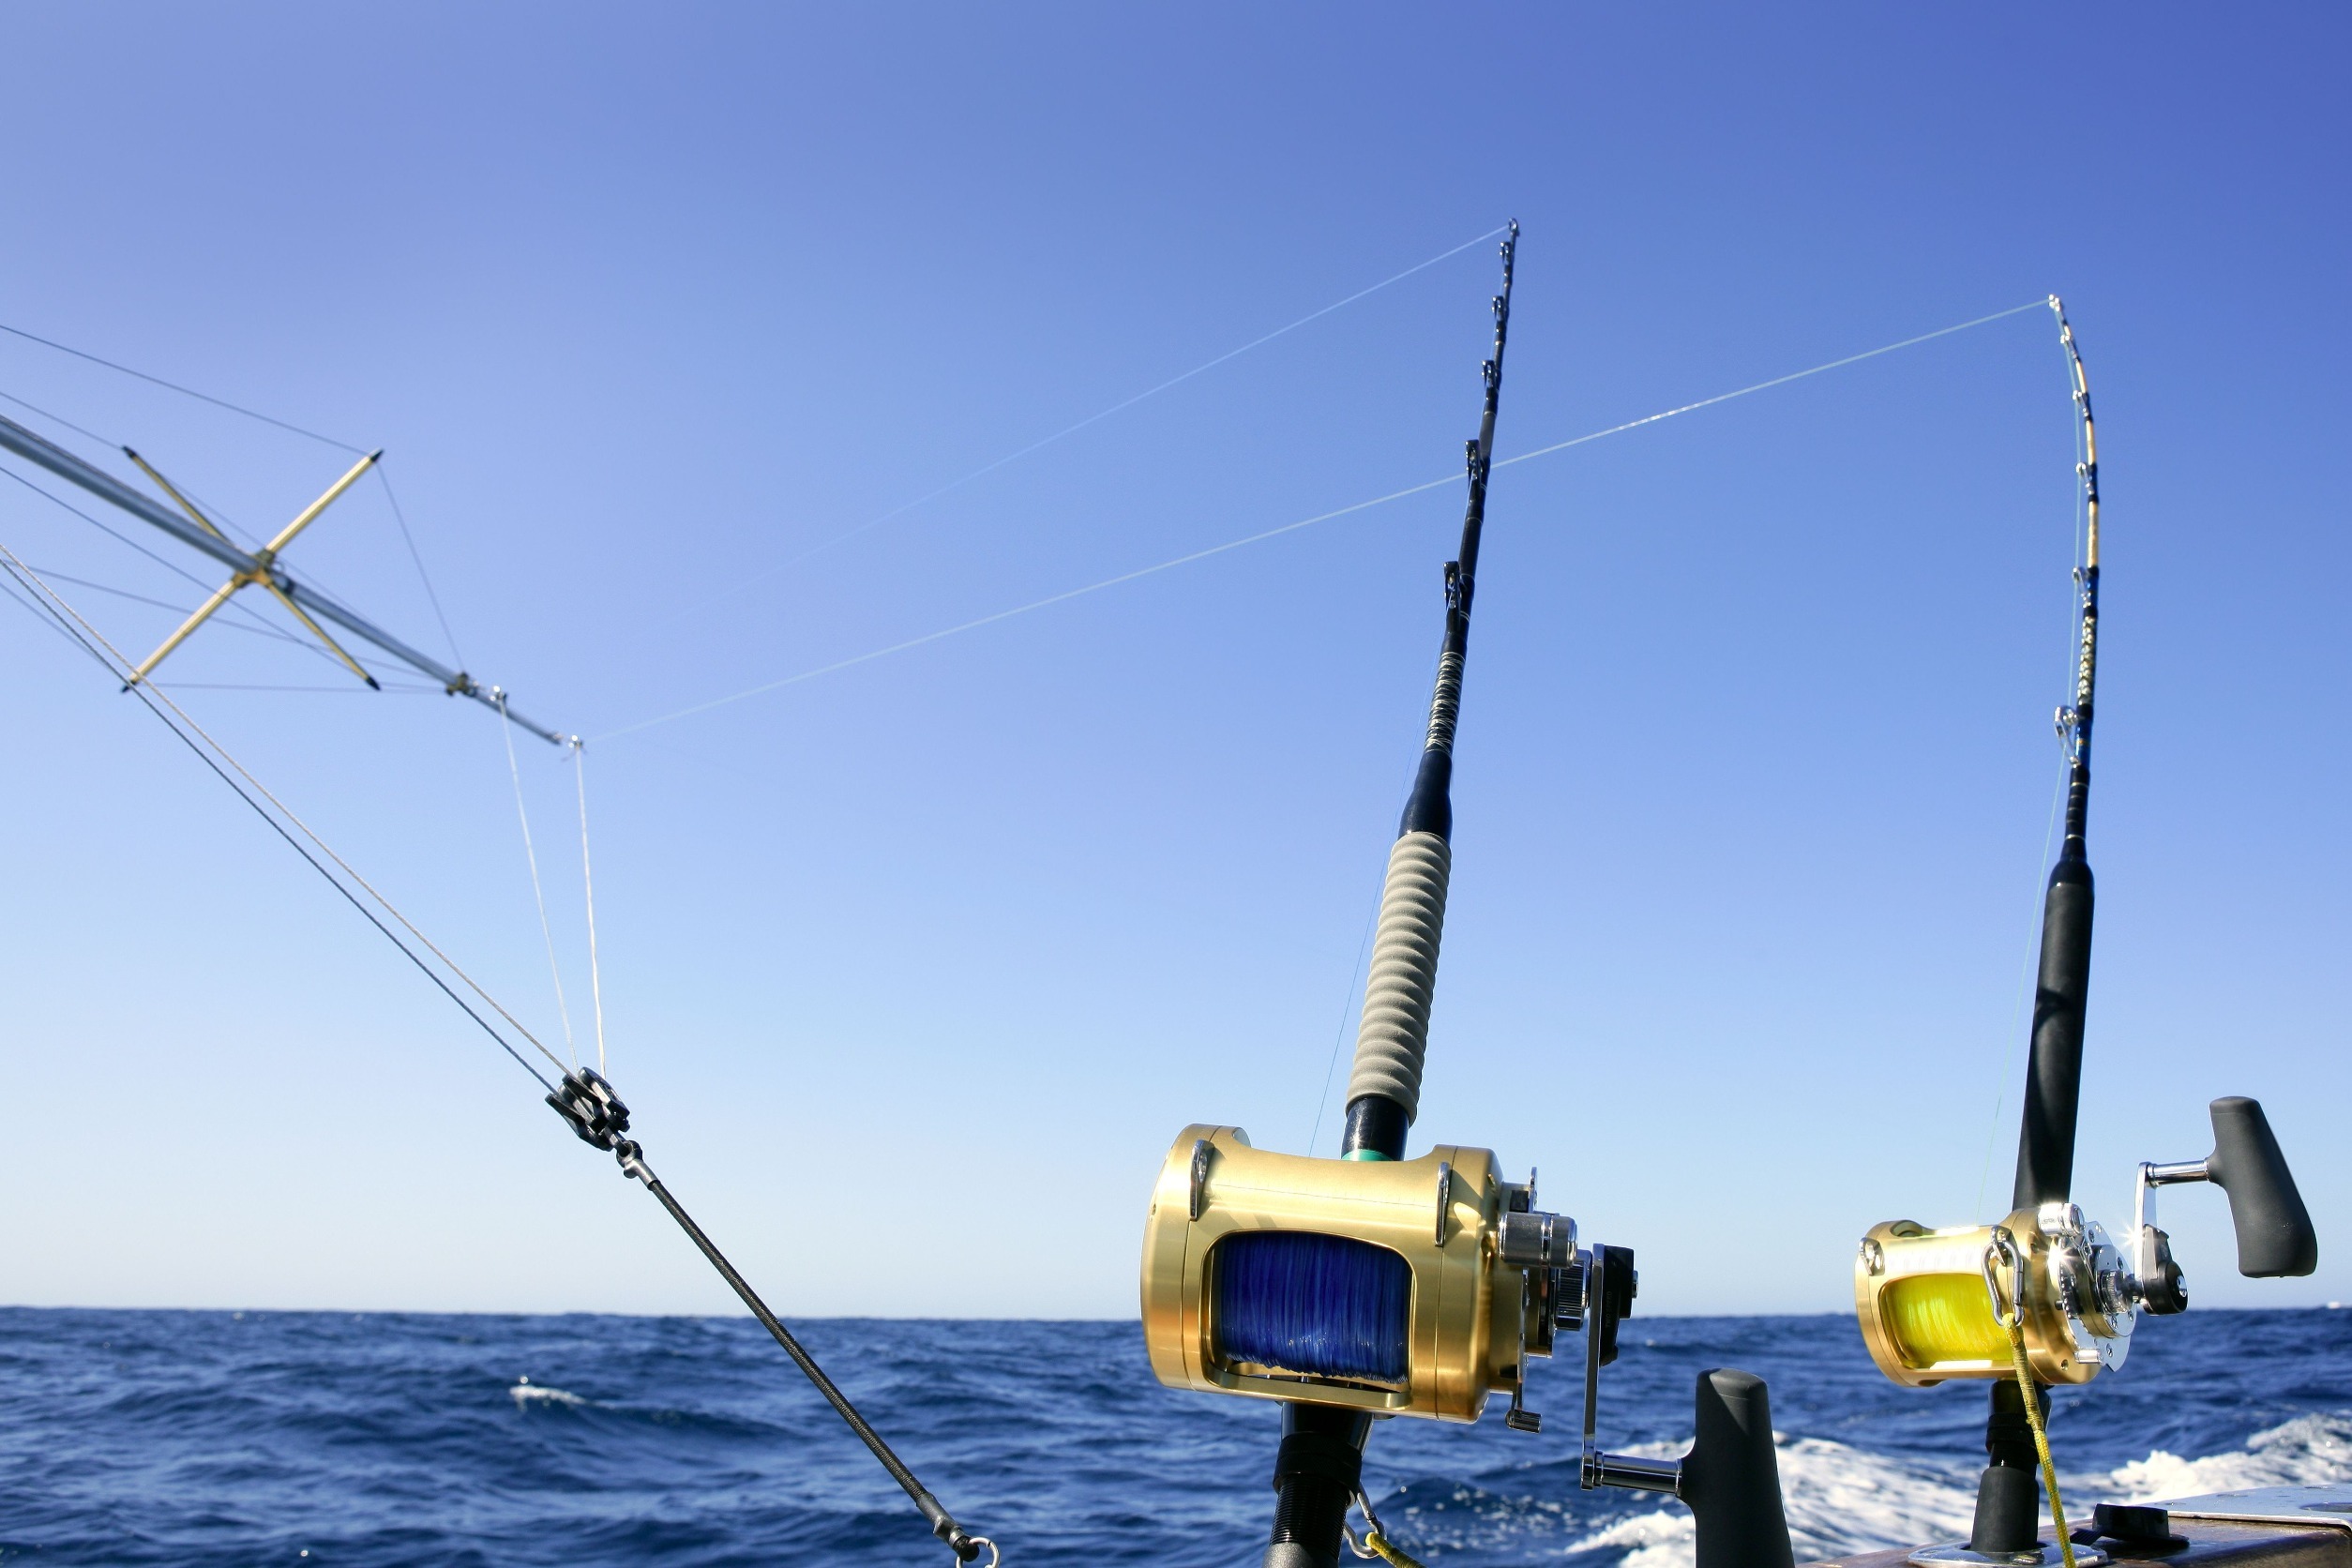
<point x="1930" y="1302"/>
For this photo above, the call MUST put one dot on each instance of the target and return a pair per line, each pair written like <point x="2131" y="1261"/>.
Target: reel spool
<point x="1396" y="1287"/>
<point x="1930" y="1302"/>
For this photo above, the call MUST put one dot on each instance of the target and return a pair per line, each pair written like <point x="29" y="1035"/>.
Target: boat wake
<point x="1843" y="1499"/>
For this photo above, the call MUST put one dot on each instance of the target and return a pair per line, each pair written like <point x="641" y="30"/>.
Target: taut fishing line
<point x="1095" y="419"/>
<point x="1190" y="557"/>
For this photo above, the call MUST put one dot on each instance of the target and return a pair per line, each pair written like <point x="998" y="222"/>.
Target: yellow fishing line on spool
<point x="1942" y="1318"/>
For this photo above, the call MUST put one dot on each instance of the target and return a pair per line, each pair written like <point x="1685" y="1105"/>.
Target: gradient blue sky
<point x="913" y="970"/>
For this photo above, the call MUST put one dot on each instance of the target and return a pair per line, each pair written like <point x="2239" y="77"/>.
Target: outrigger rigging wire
<point x="214" y="755"/>
<point x="583" y="1098"/>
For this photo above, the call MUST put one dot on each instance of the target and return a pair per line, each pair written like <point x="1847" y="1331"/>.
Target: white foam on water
<point x="2309" y="1451"/>
<point x="1841" y="1500"/>
<point x="527" y="1394"/>
<point x="1660" y="1540"/>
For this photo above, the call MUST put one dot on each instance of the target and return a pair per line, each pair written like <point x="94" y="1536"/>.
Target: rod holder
<point x="1729" y="1480"/>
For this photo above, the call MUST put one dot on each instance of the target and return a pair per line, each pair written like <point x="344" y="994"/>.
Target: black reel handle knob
<point x="2275" y="1238"/>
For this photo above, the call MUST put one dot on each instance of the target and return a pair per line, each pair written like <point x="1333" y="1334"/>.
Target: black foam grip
<point x="2046" y="1138"/>
<point x="2275" y="1238"/>
<point x="1731" y="1479"/>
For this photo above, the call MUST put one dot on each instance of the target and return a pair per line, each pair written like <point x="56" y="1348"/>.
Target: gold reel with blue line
<point x="1397" y="1287"/>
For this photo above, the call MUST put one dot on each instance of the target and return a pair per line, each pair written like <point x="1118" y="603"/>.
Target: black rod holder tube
<point x="1316" y="1471"/>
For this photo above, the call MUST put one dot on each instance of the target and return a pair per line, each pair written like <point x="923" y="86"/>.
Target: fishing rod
<point x="1369" y="1286"/>
<point x="260" y="569"/>
<point x="2046" y="1297"/>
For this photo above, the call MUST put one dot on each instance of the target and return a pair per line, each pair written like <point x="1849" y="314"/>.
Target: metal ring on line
<point x="1372" y="1526"/>
<point x="2004" y="1247"/>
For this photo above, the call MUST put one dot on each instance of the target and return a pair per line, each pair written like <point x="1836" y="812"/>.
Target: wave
<point x="203" y="1440"/>
<point x="527" y="1394"/>
<point x="2309" y="1451"/>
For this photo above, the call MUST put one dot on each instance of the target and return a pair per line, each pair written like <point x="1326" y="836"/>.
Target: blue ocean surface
<point x="240" y="1439"/>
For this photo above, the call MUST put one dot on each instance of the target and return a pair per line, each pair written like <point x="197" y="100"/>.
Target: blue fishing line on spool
<point x="1327" y="1305"/>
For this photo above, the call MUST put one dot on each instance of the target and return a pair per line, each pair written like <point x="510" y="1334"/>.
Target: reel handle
<point x="2275" y="1238"/>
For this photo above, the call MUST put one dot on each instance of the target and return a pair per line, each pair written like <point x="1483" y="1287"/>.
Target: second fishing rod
<point x="1317" y="1467"/>
<point x="2045" y="1297"/>
<point x="1371" y="1286"/>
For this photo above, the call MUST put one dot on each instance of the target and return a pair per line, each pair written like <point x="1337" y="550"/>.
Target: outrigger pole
<point x="257" y="568"/>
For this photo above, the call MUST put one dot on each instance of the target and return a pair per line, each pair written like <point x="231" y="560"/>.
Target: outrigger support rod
<point x="593" y="1113"/>
<point x="258" y="569"/>
<point x="1317" y="1467"/>
<point x="2008" y="1505"/>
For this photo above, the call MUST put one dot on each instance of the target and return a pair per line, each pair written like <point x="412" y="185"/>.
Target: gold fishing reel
<point x="1931" y="1302"/>
<point x="1396" y="1287"/>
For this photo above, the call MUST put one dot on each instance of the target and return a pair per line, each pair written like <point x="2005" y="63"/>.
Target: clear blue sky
<point x="915" y="970"/>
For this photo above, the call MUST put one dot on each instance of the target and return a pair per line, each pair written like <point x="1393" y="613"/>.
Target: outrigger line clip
<point x="1374" y="1545"/>
<point x="598" y="1117"/>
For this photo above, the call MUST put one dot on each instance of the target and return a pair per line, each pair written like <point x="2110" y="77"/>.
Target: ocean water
<point x="242" y="1439"/>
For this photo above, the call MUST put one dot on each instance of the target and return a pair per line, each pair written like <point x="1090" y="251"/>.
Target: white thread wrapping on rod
<point x="1393" y="1035"/>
